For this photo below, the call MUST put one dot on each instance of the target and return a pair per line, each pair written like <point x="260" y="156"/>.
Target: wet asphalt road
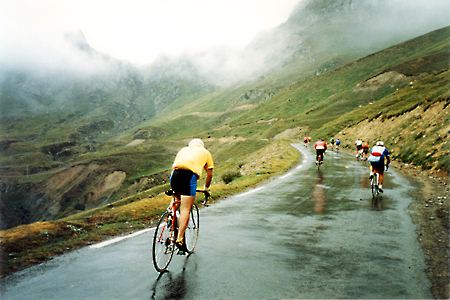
<point x="306" y="234"/>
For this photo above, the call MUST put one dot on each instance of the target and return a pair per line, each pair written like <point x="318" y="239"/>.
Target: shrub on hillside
<point x="230" y="176"/>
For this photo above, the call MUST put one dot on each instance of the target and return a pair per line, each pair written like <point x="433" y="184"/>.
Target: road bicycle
<point x="376" y="197"/>
<point x="166" y="232"/>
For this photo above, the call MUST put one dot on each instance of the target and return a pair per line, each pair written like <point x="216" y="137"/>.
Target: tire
<point x="192" y="230"/>
<point x="372" y="186"/>
<point x="375" y="192"/>
<point x="163" y="243"/>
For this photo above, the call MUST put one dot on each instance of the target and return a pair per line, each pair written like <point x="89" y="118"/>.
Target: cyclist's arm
<point x="209" y="175"/>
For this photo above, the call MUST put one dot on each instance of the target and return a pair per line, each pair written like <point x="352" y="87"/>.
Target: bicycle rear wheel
<point x="372" y="187"/>
<point x="163" y="243"/>
<point x="375" y="190"/>
<point x="191" y="234"/>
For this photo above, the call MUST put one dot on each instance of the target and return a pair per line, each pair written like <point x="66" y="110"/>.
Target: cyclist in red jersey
<point x="320" y="146"/>
<point x="365" y="150"/>
<point x="306" y="141"/>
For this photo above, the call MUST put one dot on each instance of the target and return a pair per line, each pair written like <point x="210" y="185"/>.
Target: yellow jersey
<point x="194" y="158"/>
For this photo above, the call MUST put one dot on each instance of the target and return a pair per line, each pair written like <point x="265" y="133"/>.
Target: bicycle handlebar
<point x="207" y="195"/>
<point x="206" y="192"/>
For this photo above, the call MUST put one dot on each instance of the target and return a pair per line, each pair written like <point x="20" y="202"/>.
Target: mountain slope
<point x="55" y="120"/>
<point x="123" y="124"/>
<point x="399" y="94"/>
<point x="382" y="85"/>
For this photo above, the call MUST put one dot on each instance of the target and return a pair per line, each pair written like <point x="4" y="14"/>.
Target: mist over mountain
<point x="74" y="113"/>
<point x="98" y="85"/>
<point x="318" y="30"/>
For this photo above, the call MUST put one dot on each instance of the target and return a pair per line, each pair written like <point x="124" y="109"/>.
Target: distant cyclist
<point x="320" y="146"/>
<point x="378" y="154"/>
<point x="332" y="141"/>
<point x="358" y="144"/>
<point x="365" y="150"/>
<point x="338" y="143"/>
<point x="306" y="141"/>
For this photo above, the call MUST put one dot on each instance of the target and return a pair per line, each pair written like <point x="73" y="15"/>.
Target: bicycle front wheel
<point x="163" y="243"/>
<point x="192" y="229"/>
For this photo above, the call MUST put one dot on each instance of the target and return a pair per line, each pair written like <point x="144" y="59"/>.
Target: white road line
<point x="120" y="238"/>
<point x="286" y="175"/>
<point x="249" y="192"/>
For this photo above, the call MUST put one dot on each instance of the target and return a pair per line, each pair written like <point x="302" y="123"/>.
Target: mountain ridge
<point x="162" y="109"/>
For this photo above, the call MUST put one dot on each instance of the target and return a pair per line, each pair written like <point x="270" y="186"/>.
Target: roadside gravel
<point x="430" y="212"/>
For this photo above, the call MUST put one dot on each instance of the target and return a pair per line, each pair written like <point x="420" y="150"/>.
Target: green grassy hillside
<point x="324" y="102"/>
<point x="383" y="85"/>
<point x="400" y="95"/>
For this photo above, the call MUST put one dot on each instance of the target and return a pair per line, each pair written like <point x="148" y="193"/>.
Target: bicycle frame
<point x="166" y="232"/>
<point x="174" y="206"/>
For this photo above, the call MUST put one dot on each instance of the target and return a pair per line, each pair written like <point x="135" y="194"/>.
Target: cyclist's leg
<point x="381" y="177"/>
<point x="319" y="155"/>
<point x="379" y="169"/>
<point x="185" y="209"/>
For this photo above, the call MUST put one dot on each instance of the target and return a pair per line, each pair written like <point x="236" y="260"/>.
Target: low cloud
<point x="365" y="23"/>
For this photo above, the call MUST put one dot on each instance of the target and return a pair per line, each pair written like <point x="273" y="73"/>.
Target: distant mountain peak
<point x="77" y="39"/>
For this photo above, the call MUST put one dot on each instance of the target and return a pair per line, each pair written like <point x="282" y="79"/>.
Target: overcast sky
<point x="135" y="30"/>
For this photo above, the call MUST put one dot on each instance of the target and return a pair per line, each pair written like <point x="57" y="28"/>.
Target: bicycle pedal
<point x="182" y="253"/>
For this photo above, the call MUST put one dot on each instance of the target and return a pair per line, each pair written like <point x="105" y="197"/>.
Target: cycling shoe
<point x="181" y="247"/>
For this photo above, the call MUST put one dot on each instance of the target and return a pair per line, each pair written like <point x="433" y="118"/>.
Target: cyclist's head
<point x="380" y="143"/>
<point x="196" y="143"/>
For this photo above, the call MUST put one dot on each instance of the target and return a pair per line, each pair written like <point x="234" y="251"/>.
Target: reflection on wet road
<point x="319" y="195"/>
<point x="306" y="234"/>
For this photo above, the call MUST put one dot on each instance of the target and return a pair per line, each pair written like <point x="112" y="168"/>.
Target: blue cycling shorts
<point x="183" y="182"/>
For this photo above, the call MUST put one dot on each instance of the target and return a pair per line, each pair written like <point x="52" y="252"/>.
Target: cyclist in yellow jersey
<point x="186" y="170"/>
